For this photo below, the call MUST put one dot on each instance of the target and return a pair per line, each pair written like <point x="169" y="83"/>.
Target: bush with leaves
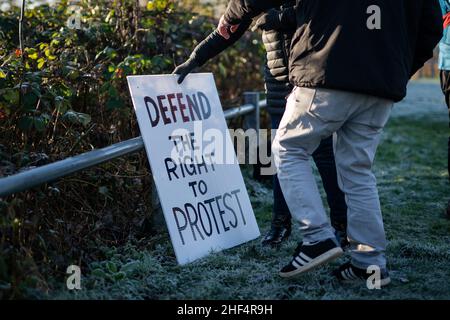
<point x="65" y="94"/>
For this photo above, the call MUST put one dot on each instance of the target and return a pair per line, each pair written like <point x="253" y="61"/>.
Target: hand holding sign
<point x="184" y="69"/>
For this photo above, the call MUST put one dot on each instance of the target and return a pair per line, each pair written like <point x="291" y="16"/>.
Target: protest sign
<point x="199" y="182"/>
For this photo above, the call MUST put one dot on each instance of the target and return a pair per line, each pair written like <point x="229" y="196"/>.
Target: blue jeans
<point x="324" y="159"/>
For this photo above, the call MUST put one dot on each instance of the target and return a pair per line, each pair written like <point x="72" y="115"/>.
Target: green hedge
<point x="74" y="98"/>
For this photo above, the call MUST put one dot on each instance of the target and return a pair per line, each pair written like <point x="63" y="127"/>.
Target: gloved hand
<point x="184" y="69"/>
<point x="271" y="20"/>
<point x="225" y="28"/>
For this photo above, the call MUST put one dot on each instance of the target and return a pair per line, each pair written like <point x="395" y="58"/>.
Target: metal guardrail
<point x="54" y="171"/>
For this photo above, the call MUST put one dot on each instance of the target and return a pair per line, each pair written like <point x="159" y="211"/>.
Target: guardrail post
<point x="157" y="216"/>
<point x="253" y="121"/>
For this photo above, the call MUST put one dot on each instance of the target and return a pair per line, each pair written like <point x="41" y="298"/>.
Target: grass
<point x="414" y="188"/>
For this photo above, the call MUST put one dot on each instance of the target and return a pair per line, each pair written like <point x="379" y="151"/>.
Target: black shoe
<point x="276" y="236"/>
<point x="311" y="255"/>
<point x="341" y="237"/>
<point x="348" y="273"/>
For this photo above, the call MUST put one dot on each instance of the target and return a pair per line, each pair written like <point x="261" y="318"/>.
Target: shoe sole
<point x="323" y="258"/>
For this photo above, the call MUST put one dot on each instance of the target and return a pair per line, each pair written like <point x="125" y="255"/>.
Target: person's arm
<point x="210" y="47"/>
<point x="273" y="19"/>
<point x="225" y="35"/>
<point x="214" y="44"/>
<point x="430" y="33"/>
<point x="239" y="10"/>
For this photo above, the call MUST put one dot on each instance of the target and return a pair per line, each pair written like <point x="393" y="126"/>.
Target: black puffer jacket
<point x="276" y="71"/>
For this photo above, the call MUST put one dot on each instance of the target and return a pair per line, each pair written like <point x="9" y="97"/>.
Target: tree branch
<point x="22" y="14"/>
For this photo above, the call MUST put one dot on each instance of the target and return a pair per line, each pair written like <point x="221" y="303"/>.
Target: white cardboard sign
<point x="199" y="182"/>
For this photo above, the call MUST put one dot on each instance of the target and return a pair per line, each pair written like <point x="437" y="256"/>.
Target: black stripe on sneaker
<point x="301" y="260"/>
<point x="348" y="274"/>
<point x="295" y="264"/>
<point x="305" y="257"/>
<point x="352" y="274"/>
<point x="344" y="275"/>
<point x="308" y="256"/>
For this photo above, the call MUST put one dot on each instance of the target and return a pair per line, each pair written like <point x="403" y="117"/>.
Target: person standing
<point x="444" y="66"/>
<point x="277" y="37"/>
<point x="278" y="26"/>
<point x="350" y="61"/>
